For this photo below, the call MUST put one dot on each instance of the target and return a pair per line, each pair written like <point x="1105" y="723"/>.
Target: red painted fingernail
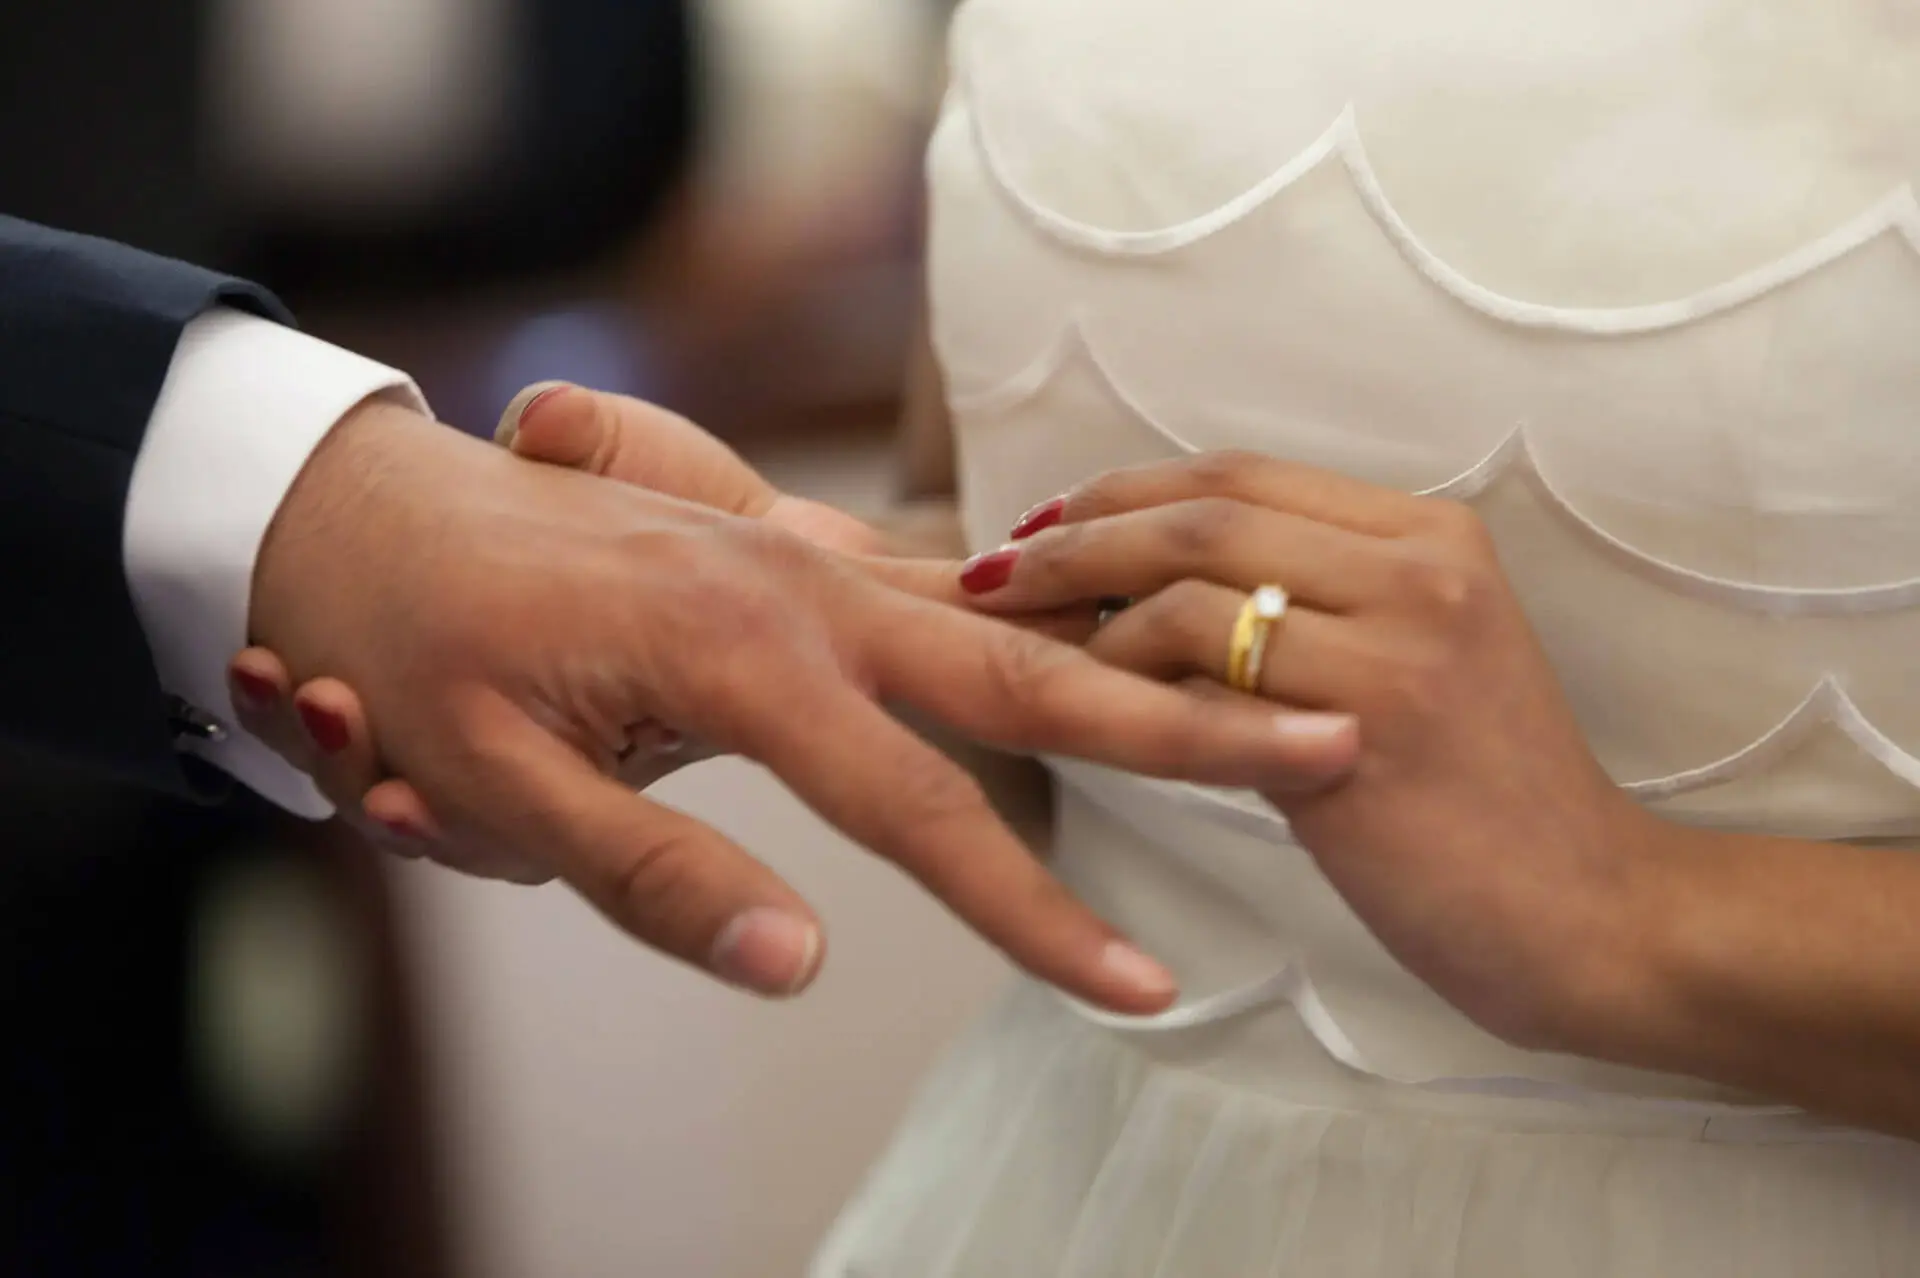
<point x="256" y="690"/>
<point x="328" y="730"/>
<point x="1040" y="518"/>
<point x="406" y="831"/>
<point x="989" y="571"/>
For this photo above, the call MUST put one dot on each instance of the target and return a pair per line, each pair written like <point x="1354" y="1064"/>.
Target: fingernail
<point x="544" y="396"/>
<point x="768" y="951"/>
<point x="989" y="571"/>
<point x="328" y="730"/>
<point x="1145" y="975"/>
<point x="1040" y="518"/>
<point x="255" y="691"/>
<point x="1313" y="727"/>
<point x="401" y="840"/>
<point x="522" y="404"/>
<point x="404" y="831"/>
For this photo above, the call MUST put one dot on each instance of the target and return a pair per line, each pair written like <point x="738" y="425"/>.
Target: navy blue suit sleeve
<point x="87" y="333"/>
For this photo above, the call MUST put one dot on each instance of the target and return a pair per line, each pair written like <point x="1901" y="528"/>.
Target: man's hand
<point x="323" y="727"/>
<point x="506" y="623"/>
<point x="652" y="447"/>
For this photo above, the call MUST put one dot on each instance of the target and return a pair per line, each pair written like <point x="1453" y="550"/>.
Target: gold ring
<point x="1247" y="649"/>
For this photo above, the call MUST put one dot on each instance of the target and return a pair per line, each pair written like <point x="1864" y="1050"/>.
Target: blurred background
<point x="233" y="1045"/>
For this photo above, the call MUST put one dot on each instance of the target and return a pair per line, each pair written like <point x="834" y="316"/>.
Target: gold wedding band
<point x="1247" y="649"/>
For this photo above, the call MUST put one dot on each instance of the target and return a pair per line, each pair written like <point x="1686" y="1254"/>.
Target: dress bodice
<point x="1640" y="280"/>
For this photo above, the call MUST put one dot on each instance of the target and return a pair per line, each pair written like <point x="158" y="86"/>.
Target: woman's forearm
<point x="1787" y="968"/>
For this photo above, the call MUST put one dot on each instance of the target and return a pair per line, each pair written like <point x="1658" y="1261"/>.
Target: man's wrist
<point x="342" y="479"/>
<point x="244" y="404"/>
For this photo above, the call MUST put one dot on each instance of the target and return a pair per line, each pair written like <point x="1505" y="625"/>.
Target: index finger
<point x="669" y="880"/>
<point x="938" y="581"/>
<point x="1025" y="692"/>
<point x="634" y="442"/>
<point x="895" y="794"/>
<point x="1323" y="496"/>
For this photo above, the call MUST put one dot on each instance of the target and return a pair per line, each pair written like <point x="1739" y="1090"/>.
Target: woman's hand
<point x="1478" y="838"/>
<point x="634" y="442"/>
<point x="322" y="728"/>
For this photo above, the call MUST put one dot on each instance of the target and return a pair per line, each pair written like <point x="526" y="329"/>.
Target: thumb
<point x="643" y="444"/>
<point x="633" y="442"/>
<point x="669" y="880"/>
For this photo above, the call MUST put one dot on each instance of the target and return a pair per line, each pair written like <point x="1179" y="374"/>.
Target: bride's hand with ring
<point x="1478" y="838"/>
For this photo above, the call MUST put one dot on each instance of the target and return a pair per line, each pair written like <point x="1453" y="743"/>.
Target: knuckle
<point x="1046" y="562"/>
<point x="1102" y="495"/>
<point x="1445" y="590"/>
<point x="928" y="791"/>
<point x="735" y="603"/>
<point x="1019" y="664"/>
<point x="1223" y="473"/>
<point x="1025" y="671"/>
<point x="1173" y="620"/>
<point x="1200" y="529"/>
<point x="724" y="640"/>
<point x="1455" y="527"/>
<point x="658" y="881"/>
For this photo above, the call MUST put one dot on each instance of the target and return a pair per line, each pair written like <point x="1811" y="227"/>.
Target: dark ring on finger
<point x="1110" y="607"/>
<point x="663" y="740"/>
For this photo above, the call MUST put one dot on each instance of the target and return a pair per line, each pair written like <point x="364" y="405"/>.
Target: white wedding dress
<point x="1640" y="280"/>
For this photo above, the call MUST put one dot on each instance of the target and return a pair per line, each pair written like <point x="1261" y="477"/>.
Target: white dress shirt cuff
<point x="244" y="405"/>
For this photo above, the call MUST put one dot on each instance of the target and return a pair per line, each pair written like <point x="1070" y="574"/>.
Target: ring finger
<point x="1310" y="659"/>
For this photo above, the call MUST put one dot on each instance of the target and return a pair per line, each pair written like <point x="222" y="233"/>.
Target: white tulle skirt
<point x="1048" y="1147"/>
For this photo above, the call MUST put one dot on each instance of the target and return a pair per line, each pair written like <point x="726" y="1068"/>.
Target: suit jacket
<point x="87" y="332"/>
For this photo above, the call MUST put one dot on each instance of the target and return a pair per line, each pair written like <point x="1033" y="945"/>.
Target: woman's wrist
<point x="1622" y="971"/>
<point x="1695" y="973"/>
<point x="1776" y="967"/>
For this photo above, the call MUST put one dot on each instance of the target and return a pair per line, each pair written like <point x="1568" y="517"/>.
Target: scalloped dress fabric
<point x="1640" y="281"/>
